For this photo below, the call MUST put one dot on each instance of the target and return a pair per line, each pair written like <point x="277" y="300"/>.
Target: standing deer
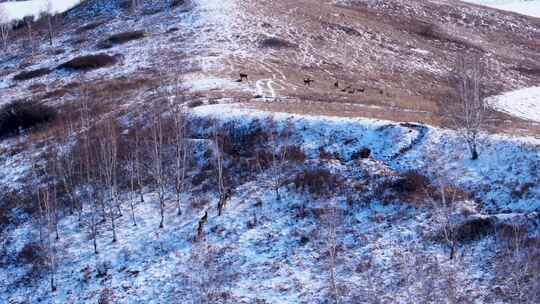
<point x="243" y="76"/>
<point x="308" y="81"/>
<point x="200" y="227"/>
<point x="336" y="84"/>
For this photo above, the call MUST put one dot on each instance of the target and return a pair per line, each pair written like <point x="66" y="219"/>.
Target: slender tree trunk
<point x="131" y="196"/>
<point x="113" y="224"/>
<point x="94" y="230"/>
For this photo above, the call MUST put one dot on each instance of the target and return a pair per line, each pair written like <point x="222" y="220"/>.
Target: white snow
<point x="20" y="9"/>
<point x="506" y="163"/>
<point x="525" y="7"/>
<point x="523" y="103"/>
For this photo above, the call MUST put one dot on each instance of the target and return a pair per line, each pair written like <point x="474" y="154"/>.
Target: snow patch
<point x="525" y="7"/>
<point x="523" y="103"/>
<point x="20" y="9"/>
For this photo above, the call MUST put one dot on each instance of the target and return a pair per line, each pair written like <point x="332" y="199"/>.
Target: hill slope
<point x="269" y="190"/>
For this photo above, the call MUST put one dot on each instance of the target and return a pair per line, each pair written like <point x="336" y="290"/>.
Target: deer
<point x="336" y="84"/>
<point x="243" y="76"/>
<point x="202" y="222"/>
<point x="308" y="81"/>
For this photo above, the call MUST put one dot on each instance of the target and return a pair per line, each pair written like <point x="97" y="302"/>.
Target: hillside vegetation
<point x="205" y="151"/>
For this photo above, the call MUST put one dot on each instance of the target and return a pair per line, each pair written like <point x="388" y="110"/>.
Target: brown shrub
<point x="90" y="26"/>
<point x="89" y="62"/>
<point x="276" y="43"/>
<point x="121" y="38"/>
<point x="195" y="103"/>
<point x="361" y="154"/>
<point x="528" y="67"/>
<point x="32" y="254"/>
<point x="512" y="232"/>
<point x="200" y="178"/>
<point x="241" y="141"/>
<point x="474" y="229"/>
<point x="317" y="181"/>
<point x="411" y="182"/>
<point x="295" y="154"/>
<point x="323" y="154"/>
<point x="25" y="75"/>
<point x="175" y="3"/>
<point x="18" y="116"/>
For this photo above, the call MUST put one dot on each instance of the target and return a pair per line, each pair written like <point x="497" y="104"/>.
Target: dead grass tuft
<point x="89" y="62"/>
<point x="25" y="75"/>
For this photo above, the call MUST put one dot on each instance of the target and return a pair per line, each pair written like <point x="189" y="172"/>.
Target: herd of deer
<point x="308" y="81"/>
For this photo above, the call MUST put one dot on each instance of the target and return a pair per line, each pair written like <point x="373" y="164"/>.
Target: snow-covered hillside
<point x="269" y="250"/>
<point x="525" y="7"/>
<point x="169" y="176"/>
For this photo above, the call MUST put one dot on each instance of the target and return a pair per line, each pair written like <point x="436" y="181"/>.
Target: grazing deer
<point x="202" y="222"/>
<point x="308" y="81"/>
<point x="243" y="76"/>
<point x="346" y="89"/>
<point x="361" y="90"/>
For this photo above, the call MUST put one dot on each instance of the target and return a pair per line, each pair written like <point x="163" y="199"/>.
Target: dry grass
<point x="121" y="38"/>
<point x="25" y="75"/>
<point x="89" y="62"/>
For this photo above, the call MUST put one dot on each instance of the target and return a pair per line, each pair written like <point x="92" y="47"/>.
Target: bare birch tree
<point x="278" y="144"/>
<point x="5" y="26"/>
<point x="66" y="164"/>
<point x="133" y="167"/>
<point x="28" y="22"/>
<point x="332" y="220"/>
<point x="217" y="147"/>
<point x="518" y="264"/>
<point x="181" y="150"/>
<point x="443" y="205"/>
<point x="108" y="147"/>
<point x="468" y="113"/>
<point x="157" y="140"/>
<point x="87" y="166"/>
<point x="48" y="208"/>
<point x="49" y="17"/>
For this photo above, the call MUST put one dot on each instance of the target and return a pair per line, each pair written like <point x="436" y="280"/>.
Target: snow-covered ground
<point x="505" y="166"/>
<point x="525" y="7"/>
<point x="265" y="250"/>
<point x="20" y="9"/>
<point x="275" y="251"/>
<point x="524" y="103"/>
